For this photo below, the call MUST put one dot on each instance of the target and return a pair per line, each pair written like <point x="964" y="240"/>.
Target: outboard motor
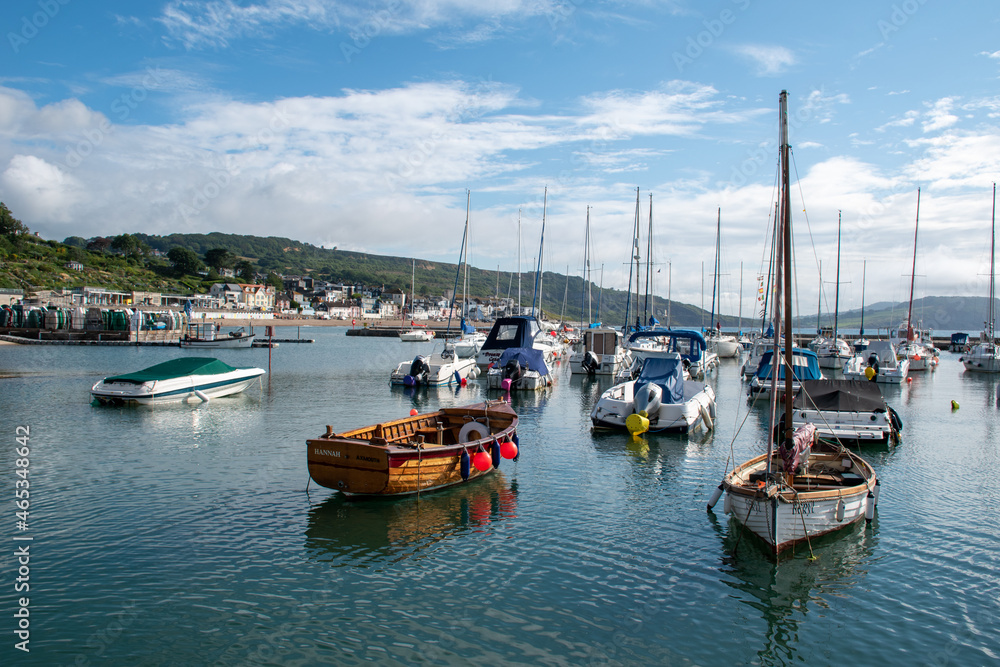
<point x="590" y="363"/>
<point x="512" y="371"/>
<point x="649" y="399"/>
<point x="419" y="370"/>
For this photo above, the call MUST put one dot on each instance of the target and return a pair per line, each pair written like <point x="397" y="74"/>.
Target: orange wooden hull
<point x="411" y="455"/>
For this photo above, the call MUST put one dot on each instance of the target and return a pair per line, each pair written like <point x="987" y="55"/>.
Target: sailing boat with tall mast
<point x="908" y="339"/>
<point x="600" y="351"/>
<point x="985" y="356"/>
<point x="802" y="487"/>
<point x="835" y="351"/>
<point x="861" y="343"/>
<point x="415" y="333"/>
<point x="725" y="346"/>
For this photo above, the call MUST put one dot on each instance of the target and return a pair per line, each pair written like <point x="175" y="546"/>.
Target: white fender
<point x="200" y="394"/>
<point x="705" y="417"/>
<point x="472" y="431"/>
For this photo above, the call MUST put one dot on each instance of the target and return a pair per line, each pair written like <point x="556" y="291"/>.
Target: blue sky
<point x="361" y="125"/>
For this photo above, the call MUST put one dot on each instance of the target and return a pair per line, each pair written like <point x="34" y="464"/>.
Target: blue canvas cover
<point x="528" y="357"/>
<point x="510" y="332"/>
<point x="687" y="343"/>
<point x="959" y="338"/>
<point x="805" y="365"/>
<point x="667" y="372"/>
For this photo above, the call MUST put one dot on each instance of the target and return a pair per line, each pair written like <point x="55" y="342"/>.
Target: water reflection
<point x="784" y="592"/>
<point x="364" y="533"/>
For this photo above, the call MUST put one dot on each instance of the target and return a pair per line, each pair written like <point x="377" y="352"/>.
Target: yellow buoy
<point x="954" y="405"/>
<point x="637" y="422"/>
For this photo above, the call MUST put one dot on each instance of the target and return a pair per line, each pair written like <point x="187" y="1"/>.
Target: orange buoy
<point x="413" y="412"/>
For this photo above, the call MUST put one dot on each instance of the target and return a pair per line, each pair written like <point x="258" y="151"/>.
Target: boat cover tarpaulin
<point x="175" y="369"/>
<point x="527" y="357"/>
<point x="805" y="365"/>
<point x="840" y="396"/>
<point x="667" y="372"/>
<point x="510" y="332"/>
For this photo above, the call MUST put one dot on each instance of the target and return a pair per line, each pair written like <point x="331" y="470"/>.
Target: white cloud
<point x="769" y="60"/>
<point x="940" y="116"/>
<point x="42" y="191"/>
<point x="217" y="23"/>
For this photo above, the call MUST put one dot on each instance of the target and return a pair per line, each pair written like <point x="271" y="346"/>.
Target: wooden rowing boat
<point x="418" y="453"/>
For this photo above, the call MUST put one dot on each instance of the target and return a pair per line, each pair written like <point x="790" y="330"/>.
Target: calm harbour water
<point x="185" y="534"/>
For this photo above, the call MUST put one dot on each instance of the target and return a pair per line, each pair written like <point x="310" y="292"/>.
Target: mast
<point x="786" y="221"/>
<point x="670" y="269"/>
<point x="465" y="280"/>
<point x="649" y="260"/>
<point x="518" y="261"/>
<point x="715" y="276"/>
<point x="585" y="307"/>
<point x="819" y="299"/>
<point x="600" y="293"/>
<point x="413" y="280"/>
<point x="538" y="265"/>
<point x="913" y="274"/>
<point x="739" y="327"/>
<point x="864" y="270"/>
<point x="562" y="315"/>
<point x="461" y="258"/>
<point x="836" y="298"/>
<point x="635" y="256"/>
<point x="991" y="324"/>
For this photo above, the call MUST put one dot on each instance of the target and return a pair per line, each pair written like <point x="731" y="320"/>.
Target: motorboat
<point x="691" y="345"/>
<point x="507" y="332"/>
<point x="468" y="345"/>
<point x="600" y="352"/>
<point x="846" y="411"/>
<point x="724" y="345"/>
<point x="416" y="334"/>
<point x="434" y="370"/>
<point x="207" y="335"/>
<point x="833" y="353"/>
<point x="659" y="400"/>
<point x="886" y="366"/>
<point x="805" y="366"/>
<point x="177" y="380"/>
<point x="415" y="454"/>
<point x="519" y="369"/>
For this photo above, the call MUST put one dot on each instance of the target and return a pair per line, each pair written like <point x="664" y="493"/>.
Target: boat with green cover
<point x="203" y="378"/>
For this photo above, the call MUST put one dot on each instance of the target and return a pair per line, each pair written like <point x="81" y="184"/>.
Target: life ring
<point x="465" y="434"/>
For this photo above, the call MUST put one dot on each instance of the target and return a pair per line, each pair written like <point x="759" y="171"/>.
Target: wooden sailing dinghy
<point x="801" y="488"/>
<point x="417" y="453"/>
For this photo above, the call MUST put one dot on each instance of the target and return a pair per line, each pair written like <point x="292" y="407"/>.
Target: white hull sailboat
<point x="984" y="357"/>
<point x="801" y="488"/>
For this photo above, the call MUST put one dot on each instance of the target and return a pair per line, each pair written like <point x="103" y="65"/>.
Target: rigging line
<point x="805" y="214"/>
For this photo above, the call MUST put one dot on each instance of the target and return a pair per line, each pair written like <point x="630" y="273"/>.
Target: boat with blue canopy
<point x="805" y="365"/>
<point x="689" y="344"/>
<point x="659" y="400"/>
<point x="520" y="368"/>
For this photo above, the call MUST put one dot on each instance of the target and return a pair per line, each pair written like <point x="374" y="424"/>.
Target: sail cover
<point x="840" y="396"/>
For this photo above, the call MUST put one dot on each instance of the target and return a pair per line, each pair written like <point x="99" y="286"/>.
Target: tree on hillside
<point x="220" y="258"/>
<point x="185" y="261"/>
<point x="75" y="241"/>
<point x="99" y="244"/>
<point x="244" y="270"/>
<point x="9" y="225"/>
<point x="275" y="281"/>
<point x="129" y="246"/>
